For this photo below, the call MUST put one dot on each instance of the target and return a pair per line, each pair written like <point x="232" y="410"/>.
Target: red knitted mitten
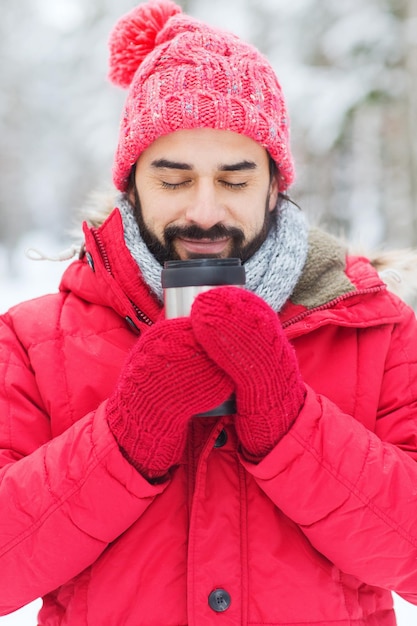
<point x="166" y="380"/>
<point x="243" y="335"/>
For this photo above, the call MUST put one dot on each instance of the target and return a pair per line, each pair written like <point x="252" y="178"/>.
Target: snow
<point x="22" y="278"/>
<point x="63" y="16"/>
<point x="24" y="617"/>
<point x="366" y="29"/>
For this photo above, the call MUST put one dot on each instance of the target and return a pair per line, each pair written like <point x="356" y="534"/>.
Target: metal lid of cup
<point x="196" y="272"/>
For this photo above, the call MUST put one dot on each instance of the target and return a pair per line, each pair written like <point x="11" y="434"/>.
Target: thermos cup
<point x="182" y="281"/>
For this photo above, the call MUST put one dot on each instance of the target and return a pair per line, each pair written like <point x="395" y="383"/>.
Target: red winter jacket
<point x="317" y="533"/>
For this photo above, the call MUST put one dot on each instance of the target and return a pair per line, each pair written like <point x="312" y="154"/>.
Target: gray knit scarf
<point x="272" y="272"/>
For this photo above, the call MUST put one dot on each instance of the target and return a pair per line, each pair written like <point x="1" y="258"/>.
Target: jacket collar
<point x="338" y="289"/>
<point x="106" y="274"/>
<point x="333" y="288"/>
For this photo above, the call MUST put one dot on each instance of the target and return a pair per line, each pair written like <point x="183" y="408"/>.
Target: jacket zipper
<point x="102" y="250"/>
<point x="103" y="253"/>
<point x="141" y="315"/>
<point x="330" y="304"/>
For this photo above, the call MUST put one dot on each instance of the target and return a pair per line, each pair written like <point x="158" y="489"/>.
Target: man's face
<point x="203" y="193"/>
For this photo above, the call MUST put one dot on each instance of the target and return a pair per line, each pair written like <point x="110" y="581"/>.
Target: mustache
<point x="193" y="231"/>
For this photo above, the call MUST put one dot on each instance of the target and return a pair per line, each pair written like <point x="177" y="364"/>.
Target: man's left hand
<point x="244" y="336"/>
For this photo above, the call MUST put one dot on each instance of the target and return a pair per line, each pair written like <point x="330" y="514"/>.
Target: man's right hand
<point x="166" y="379"/>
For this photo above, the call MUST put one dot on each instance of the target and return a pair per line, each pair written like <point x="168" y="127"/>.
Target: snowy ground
<point x="33" y="278"/>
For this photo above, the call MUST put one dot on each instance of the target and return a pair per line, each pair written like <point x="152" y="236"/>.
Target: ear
<point x="273" y="193"/>
<point x="130" y="192"/>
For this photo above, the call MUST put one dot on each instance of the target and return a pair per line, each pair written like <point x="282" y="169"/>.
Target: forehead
<point x="205" y="146"/>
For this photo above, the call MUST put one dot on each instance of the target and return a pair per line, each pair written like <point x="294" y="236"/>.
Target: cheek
<point x="254" y="219"/>
<point x="155" y="226"/>
<point x="162" y="208"/>
<point x="153" y="212"/>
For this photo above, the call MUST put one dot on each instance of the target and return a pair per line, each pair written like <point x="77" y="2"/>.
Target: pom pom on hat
<point x="133" y="38"/>
<point x="184" y="74"/>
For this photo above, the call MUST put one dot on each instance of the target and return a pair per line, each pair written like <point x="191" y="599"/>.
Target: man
<point x="118" y="505"/>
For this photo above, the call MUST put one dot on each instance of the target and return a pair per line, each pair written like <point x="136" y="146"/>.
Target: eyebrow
<point x="238" y="167"/>
<point x="172" y="165"/>
<point x="178" y="165"/>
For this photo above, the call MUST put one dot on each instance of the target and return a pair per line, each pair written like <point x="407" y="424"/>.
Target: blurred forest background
<point x="348" y="69"/>
<point x="349" y="72"/>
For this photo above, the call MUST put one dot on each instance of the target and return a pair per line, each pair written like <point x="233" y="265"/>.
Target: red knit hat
<point x="184" y="74"/>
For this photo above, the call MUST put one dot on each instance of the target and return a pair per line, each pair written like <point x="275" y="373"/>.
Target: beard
<point x="165" y="250"/>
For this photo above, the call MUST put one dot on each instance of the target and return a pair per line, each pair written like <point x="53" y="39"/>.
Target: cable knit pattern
<point x="183" y="73"/>
<point x="272" y="272"/>
<point x="243" y="335"/>
<point x="166" y="380"/>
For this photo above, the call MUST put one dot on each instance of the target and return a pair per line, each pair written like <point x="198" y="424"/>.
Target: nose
<point x="205" y="208"/>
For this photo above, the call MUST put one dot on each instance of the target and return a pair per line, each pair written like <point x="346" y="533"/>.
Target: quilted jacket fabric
<point x="319" y="532"/>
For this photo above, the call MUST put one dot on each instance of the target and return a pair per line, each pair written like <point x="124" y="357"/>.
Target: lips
<point x="203" y="246"/>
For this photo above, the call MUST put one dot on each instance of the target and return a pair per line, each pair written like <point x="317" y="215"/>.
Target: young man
<point x="117" y="505"/>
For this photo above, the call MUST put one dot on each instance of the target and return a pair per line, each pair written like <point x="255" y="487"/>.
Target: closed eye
<point x="230" y="185"/>
<point x="166" y="185"/>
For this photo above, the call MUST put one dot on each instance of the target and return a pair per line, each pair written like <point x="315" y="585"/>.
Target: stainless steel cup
<point x="182" y="281"/>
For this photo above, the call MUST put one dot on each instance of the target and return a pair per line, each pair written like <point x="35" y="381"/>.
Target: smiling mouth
<point x="204" y="246"/>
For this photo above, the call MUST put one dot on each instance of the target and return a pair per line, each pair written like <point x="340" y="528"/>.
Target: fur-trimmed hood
<point x="398" y="270"/>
